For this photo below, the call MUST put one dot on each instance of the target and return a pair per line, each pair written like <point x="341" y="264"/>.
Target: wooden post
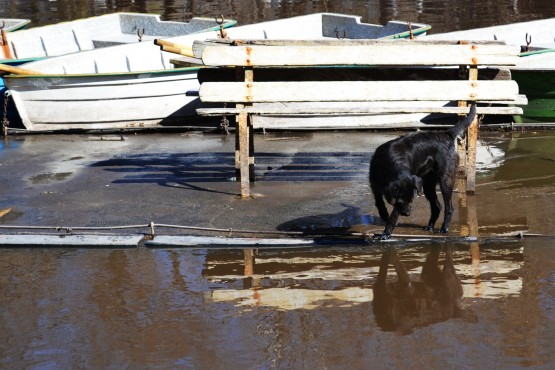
<point x="461" y="145"/>
<point x="472" y="143"/>
<point x="243" y="137"/>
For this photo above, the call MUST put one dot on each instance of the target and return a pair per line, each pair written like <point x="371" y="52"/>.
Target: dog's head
<point x="400" y="192"/>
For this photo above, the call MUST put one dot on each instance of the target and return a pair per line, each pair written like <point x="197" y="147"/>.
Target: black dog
<point x="417" y="163"/>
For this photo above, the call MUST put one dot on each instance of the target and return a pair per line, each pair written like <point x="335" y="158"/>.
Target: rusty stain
<point x="474" y="47"/>
<point x="248" y="92"/>
<point x="474" y="61"/>
<point x="474" y="84"/>
<point x="249" y="51"/>
<point x="473" y="96"/>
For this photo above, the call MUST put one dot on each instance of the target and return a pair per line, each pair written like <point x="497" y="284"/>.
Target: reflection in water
<point x="313" y="307"/>
<point x="443" y="15"/>
<point x="312" y="279"/>
<point x="405" y="304"/>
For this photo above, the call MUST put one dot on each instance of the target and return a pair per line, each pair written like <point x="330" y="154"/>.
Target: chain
<point x="224" y="125"/>
<point x="5" y="122"/>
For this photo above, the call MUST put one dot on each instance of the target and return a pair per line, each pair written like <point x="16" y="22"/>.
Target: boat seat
<point x="119" y="63"/>
<point x="111" y="40"/>
<point x="61" y="43"/>
<point x="147" y="62"/>
<point x="27" y="49"/>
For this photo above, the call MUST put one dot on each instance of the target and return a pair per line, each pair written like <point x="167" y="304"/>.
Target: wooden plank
<point x="391" y="54"/>
<point x="223" y="242"/>
<point x="316" y="91"/>
<point x="200" y="45"/>
<point x="77" y="241"/>
<point x="308" y="110"/>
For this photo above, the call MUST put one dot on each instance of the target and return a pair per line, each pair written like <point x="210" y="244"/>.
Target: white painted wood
<point x="315" y="91"/>
<point x="46" y="240"/>
<point x="343" y="122"/>
<point x="207" y="241"/>
<point x="386" y="53"/>
<point x="308" y="110"/>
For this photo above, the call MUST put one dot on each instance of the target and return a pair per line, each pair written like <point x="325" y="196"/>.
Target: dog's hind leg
<point x="430" y="182"/>
<point x="446" y="186"/>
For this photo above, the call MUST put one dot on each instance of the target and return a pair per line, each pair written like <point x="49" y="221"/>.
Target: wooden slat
<point x="200" y="45"/>
<point x="316" y="91"/>
<point x="310" y="111"/>
<point x="391" y="54"/>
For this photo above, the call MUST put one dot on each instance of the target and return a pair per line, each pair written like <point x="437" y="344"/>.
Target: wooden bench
<point x="248" y="59"/>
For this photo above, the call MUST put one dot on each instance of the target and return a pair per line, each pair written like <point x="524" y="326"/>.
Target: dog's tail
<point x="460" y="128"/>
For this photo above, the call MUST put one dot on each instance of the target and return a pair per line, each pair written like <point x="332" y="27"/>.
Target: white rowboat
<point x="13" y="24"/>
<point x="101" y="31"/>
<point x="132" y="86"/>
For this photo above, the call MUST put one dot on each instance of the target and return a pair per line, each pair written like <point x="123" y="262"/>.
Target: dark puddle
<point x="45" y="178"/>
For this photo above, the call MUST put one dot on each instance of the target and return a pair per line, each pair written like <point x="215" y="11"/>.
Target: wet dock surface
<point x="314" y="307"/>
<point x="304" y="181"/>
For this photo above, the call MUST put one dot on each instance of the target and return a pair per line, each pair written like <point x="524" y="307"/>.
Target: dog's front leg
<point x="390" y="225"/>
<point x="380" y="205"/>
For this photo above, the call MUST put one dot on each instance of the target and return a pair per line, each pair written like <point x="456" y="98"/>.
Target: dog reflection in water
<point x="403" y="305"/>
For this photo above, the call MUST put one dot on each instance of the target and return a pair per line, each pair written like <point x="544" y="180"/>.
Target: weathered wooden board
<point x="78" y="241"/>
<point x="224" y="242"/>
<point x="308" y="110"/>
<point x="200" y="45"/>
<point x="387" y="53"/>
<point x="321" y="91"/>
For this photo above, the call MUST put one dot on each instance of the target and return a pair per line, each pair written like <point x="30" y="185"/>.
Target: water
<point x="167" y="309"/>
<point x="443" y="15"/>
<point x="311" y="308"/>
<point x="296" y="308"/>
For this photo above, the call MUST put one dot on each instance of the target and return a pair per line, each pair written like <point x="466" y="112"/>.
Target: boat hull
<point x="539" y="88"/>
<point x="134" y="85"/>
<point x="129" y="100"/>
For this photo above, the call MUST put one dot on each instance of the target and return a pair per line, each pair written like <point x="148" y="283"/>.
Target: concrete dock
<point x="313" y="182"/>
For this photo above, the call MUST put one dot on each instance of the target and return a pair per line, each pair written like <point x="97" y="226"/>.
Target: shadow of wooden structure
<point x="248" y="58"/>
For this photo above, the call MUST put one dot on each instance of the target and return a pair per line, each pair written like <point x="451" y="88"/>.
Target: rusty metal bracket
<point x="411" y="34"/>
<point x="220" y="22"/>
<point x="337" y="33"/>
<point x="528" y="41"/>
<point x="140" y="33"/>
